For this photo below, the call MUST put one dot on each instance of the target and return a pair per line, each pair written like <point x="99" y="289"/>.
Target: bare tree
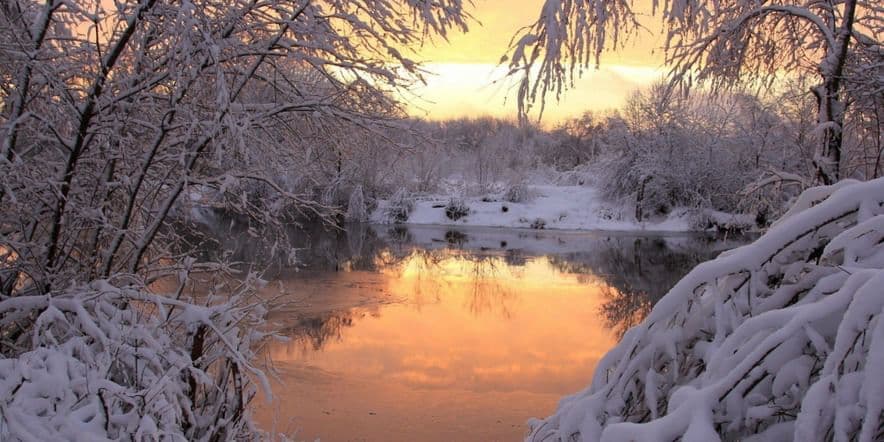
<point x="720" y="44"/>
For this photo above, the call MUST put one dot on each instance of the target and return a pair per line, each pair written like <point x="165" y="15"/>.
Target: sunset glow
<point x="467" y="80"/>
<point x="445" y="220"/>
<point x="467" y="336"/>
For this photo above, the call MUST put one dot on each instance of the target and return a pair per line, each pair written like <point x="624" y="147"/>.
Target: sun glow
<point x="456" y="90"/>
<point x="466" y="78"/>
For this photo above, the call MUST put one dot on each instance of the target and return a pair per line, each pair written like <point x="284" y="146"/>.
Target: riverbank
<point x="555" y="207"/>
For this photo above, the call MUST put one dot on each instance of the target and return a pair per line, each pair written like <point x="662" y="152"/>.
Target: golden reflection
<point x="8" y="256"/>
<point x="17" y="279"/>
<point x="469" y="349"/>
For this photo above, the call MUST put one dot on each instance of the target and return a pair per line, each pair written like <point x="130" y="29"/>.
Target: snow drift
<point x="782" y="339"/>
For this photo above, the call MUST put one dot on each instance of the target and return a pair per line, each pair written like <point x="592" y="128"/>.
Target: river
<point x="431" y="333"/>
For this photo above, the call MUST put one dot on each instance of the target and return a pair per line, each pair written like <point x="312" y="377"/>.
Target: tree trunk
<point x="639" y="199"/>
<point x="831" y="115"/>
<point x="830" y="107"/>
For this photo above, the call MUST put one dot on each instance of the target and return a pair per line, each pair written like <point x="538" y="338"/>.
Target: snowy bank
<point x="551" y="242"/>
<point x="782" y="339"/>
<point x="546" y="207"/>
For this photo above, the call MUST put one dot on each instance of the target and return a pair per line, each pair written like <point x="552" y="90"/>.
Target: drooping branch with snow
<point x="781" y="339"/>
<point x="721" y="45"/>
<point x="105" y="363"/>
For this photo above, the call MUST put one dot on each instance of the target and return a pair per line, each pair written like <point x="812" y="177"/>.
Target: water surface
<point x="428" y="333"/>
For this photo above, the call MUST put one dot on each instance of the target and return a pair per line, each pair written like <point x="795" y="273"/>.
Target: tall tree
<point x="130" y="105"/>
<point x="114" y="115"/>
<point x="719" y="44"/>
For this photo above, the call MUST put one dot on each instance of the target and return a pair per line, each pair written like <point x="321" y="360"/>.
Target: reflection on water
<point x="424" y="333"/>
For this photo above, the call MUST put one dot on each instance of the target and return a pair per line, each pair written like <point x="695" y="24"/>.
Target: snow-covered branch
<point x="105" y="362"/>
<point x="723" y="45"/>
<point x="777" y="340"/>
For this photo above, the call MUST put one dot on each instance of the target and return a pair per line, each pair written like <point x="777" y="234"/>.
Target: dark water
<point x="430" y="333"/>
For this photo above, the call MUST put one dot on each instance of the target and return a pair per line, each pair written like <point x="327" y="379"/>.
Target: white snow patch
<point x="559" y="207"/>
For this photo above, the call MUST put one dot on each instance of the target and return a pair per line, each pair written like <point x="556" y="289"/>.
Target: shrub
<point x="713" y="220"/>
<point x="456" y="209"/>
<point x="517" y="193"/>
<point x="399" y="207"/>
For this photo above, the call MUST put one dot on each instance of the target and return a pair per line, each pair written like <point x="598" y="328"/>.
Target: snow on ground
<point x="555" y="207"/>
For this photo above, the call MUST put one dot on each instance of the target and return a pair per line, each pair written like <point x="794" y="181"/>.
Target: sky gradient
<point x="466" y="80"/>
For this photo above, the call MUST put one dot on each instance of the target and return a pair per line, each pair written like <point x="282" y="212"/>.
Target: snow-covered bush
<point x="782" y="339"/>
<point x="608" y="213"/>
<point x="456" y="209"/>
<point x="517" y="192"/>
<point x="399" y="207"/>
<point x="768" y="197"/>
<point x="713" y="220"/>
<point x="584" y="174"/>
<point x="668" y="152"/>
<point x="100" y="362"/>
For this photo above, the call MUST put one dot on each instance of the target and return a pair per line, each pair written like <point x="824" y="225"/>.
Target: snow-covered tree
<point x="722" y="45"/>
<point x="129" y="106"/>
<point x="117" y="117"/>
<point x="782" y="339"/>
<point x="664" y="151"/>
<point x="578" y="141"/>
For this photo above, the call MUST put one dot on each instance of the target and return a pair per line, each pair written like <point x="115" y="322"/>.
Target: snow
<point x="777" y="340"/>
<point x="559" y="207"/>
<point x="100" y="366"/>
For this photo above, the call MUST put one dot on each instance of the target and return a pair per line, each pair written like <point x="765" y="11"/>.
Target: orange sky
<point x="465" y="67"/>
